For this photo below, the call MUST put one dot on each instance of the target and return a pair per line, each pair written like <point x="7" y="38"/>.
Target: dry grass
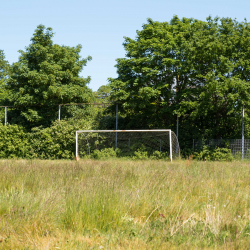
<point x="124" y="205"/>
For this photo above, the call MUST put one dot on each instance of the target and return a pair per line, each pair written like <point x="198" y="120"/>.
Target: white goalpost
<point x="128" y="142"/>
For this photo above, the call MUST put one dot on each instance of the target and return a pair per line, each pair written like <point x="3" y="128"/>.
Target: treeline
<point x="195" y="70"/>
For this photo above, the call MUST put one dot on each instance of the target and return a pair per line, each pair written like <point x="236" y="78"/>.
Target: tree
<point x="4" y="69"/>
<point x="214" y="104"/>
<point x="46" y="75"/>
<point x="198" y="70"/>
<point x="103" y="94"/>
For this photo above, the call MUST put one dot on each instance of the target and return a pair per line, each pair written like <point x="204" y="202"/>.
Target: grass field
<point x="124" y="205"/>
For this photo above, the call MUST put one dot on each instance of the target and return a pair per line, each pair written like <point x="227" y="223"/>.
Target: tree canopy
<point x="103" y="94"/>
<point x="46" y="75"/>
<point x="4" y="70"/>
<point x="198" y="70"/>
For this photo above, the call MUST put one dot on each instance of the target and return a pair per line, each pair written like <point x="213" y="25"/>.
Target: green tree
<point x="220" y="90"/>
<point x="46" y="75"/>
<point x="198" y="70"/>
<point x="103" y="94"/>
<point x="4" y="70"/>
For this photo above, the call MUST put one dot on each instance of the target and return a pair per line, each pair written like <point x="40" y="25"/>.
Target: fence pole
<point x="177" y="133"/>
<point x="116" y="125"/>
<point x="177" y="129"/>
<point x="170" y="144"/>
<point x="242" y="140"/>
<point x="76" y="145"/>
<point x="59" y="113"/>
<point x="5" y="116"/>
<point x="193" y="143"/>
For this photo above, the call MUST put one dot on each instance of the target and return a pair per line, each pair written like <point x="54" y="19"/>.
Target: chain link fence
<point x="76" y="110"/>
<point x="239" y="148"/>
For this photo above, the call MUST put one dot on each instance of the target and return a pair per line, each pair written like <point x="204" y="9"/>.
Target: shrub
<point x="14" y="142"/>
<point x="157" y="155"/>
<point x="58" y="140"/>
<point x="140" y="155"/>
<point x="54" y="142"/>
<point x="214" y="154"/>
<point x="104" y="153"/>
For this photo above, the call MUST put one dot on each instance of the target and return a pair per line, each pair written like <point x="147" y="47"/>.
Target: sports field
<point x="125" y="204"/>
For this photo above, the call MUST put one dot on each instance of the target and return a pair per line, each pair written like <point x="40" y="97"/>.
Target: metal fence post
<point x="5" y="116"/>
<point x="116" y="125"/>
<point x="59" y="113"/>
<point x="76" y="145"/>
<point x="170" y="145"/>
<point x="177" y="129"/>
<point x="242" y="139"/>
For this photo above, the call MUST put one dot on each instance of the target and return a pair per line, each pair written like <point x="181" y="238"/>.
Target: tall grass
<point x="124" y="205"/>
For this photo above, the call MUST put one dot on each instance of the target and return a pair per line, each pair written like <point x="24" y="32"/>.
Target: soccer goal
<point x="153" y="143"/>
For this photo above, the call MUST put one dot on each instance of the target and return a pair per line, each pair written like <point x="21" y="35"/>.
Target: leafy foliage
<point x="4" y="70"/>
<point x="54" y="142"/>
<point x="214" y="154"/>
<point x="14" y="142"/>
<point x="46" y="75"/>
<point x="197" y="70"/>
<point x="105" y="153"/>
<point x="103" y="94"/>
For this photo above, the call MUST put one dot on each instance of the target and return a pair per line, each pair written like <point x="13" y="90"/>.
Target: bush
<point x="58" y="140"/>
<point x="214" y="154"/>
<point x="105" y="153"/>
<point x="54" y="142"/>
<point x="140" y="154"/>
<point x="157" y="155"/>
<point x="14" y="142"/>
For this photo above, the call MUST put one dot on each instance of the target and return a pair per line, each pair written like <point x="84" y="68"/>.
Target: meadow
<point x="124" y="204"/>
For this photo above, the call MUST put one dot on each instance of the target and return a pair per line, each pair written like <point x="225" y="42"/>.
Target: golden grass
<point x="122" y="204"/>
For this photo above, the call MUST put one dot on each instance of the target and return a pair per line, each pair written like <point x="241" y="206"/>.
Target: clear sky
<point x="99" y="26"/>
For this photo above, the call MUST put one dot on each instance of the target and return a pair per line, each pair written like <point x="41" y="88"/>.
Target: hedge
<point x="54" y="142"/>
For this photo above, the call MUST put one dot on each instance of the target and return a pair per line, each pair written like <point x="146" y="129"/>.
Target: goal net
<point x="141" y="144"/>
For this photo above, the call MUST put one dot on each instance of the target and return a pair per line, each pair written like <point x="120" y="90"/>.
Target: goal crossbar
<point x="119" y="131"/>
<point x="142" y="130"/>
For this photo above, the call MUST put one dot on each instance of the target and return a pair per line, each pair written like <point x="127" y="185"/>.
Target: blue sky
<point x="99" y="26"/>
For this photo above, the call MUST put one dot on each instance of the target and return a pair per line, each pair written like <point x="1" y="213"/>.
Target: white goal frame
<point x="119" y="131"/>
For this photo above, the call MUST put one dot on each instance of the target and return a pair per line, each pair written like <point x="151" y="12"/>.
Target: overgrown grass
<point x="124" y="205"/>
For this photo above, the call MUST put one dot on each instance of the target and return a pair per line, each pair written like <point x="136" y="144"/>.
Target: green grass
<point x="123" y="204"/>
